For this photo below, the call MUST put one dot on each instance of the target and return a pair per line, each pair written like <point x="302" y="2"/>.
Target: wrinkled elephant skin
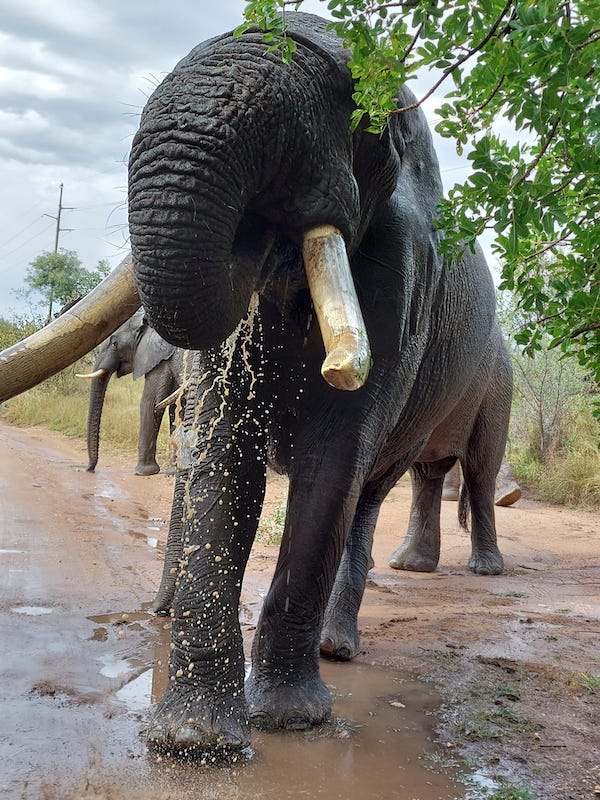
<point x="238" y="160"/>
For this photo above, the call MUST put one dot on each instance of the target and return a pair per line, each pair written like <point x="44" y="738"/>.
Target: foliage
<point x="15" y="329"/>
<point x="521" y="100"/>
<point x="60" y="277"/>
<point x="553" y="442"/>
<point x="270" y="526"/>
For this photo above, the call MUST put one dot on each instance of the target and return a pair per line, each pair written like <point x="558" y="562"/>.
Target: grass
<point x="507" y="792"/>
<point x="61" y="404"/>
<point x="591" y="683"/>
<point x="570" y="475"/>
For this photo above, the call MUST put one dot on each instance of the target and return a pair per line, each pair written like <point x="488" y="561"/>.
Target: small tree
<point x="60" y="277"/>
<point x="550" y="391"/>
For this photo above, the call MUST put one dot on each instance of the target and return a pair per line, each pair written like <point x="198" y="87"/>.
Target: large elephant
<point x="135" y="348"/>
<point x="264" y="231"/>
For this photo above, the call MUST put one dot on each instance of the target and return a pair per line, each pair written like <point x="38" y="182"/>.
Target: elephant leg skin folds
<point x="420" y="550"/>
<point x="295" y="703"/>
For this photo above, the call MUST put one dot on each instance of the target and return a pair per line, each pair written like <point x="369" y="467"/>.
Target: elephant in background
<point x="507" y="490"/>
<point x="286" y="249"/>
<point x="135" y="348"/>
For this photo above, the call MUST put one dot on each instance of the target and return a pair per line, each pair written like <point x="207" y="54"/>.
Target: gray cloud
<point x="74" y="76"/>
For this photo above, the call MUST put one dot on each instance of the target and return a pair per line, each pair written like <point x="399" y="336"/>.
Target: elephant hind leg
<point x="480" y="467"/>
<point x="420" y="550"/>
<point x="340" y="638"/>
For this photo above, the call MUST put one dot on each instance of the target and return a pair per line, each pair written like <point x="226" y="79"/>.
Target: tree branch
<point x="449" y="70"/>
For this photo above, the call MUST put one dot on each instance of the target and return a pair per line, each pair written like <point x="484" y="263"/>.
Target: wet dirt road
<point x="81" y="658"/>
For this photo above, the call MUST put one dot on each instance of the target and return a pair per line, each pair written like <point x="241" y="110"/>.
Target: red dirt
<point x="516" y="656"/>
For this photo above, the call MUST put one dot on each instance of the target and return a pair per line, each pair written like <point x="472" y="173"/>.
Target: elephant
<point x="507" y="491"/>
<point x="135" y="348"/>
<point x="301" y="261"/>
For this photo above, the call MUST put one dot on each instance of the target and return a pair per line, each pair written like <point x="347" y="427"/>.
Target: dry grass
<point x="61" y="404"/>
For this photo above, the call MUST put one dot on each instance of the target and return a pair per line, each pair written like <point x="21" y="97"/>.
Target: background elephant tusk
<point x="90" y="375"/>
<point x="169" y="399"/>
<point x="71" y="335"/>
<point x="348" y="355"/>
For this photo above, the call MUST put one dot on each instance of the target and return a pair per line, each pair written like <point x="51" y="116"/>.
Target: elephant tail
<point x="464" y="507"/>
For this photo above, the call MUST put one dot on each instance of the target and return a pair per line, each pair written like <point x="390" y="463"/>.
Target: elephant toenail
<point x="327" y="646"/>
<point x="189" y="735"/>
<point x="262" y="721"/>
<point x="296" y="722"/>
<point x="229" y="740"/>
<point x="344" y="653"/>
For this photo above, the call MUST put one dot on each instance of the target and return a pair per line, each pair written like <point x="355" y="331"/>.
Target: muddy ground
<point x="516" y="658"/>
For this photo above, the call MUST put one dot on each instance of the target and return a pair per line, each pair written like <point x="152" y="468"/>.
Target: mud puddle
<point x="379" y="743"/>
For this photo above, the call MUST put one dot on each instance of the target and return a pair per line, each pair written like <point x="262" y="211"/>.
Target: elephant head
<point x="134" y="348"/>
<point x="225" y="175"/>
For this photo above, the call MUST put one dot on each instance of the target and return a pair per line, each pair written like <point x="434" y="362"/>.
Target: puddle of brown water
<point x="378" y="745"/>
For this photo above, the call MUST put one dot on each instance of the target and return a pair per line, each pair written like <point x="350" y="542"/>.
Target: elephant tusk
<point x="348" y="355"/>
<point x="169" y="399"/>
<point x="89" y="375"/>
<point x="71" y="335"/>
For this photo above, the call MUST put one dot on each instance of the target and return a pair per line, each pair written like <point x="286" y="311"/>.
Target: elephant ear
<point x="150" y="351"/>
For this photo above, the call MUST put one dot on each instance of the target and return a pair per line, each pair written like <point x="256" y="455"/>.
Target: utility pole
<point x="61" y="208"/>
<point x="59" y="211"/>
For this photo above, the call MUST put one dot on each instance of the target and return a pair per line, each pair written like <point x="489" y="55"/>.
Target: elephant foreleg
<point x="174" y="549"/>
<point x="158" y="384"/>
<point x="204" y="705"/>
<point x="150" y="420"/>
<point x="284" y="689"/>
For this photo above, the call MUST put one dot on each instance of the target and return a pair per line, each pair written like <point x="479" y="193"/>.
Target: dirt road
<point x="517" y="657"/>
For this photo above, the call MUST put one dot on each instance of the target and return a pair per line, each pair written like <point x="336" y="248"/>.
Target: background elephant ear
<point x="151" y="350"/>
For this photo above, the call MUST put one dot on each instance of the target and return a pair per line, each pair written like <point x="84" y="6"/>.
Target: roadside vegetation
<point x="553" y="445"/>
<point x="61" y="404"/>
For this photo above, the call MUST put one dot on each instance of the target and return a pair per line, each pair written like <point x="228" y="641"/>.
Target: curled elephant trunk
<point x="197" y="252"/>
<point x="97" y="394"/>
<point x="71" y="335"/>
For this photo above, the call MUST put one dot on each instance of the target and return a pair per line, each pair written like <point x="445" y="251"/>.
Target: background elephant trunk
<point x="97" y="394"/>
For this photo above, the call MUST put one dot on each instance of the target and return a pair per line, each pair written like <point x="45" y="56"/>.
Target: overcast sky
<point x="74" y="76"/>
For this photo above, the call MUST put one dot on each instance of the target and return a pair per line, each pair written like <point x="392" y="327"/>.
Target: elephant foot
<point x="290" y="706"/>
<point x="412" y="560"/>
<point x="339" y="643"/>
<point x="488" y="563"/>
<point x="147" y="469"/>
<point x="162" y="603"/>
<point x="188" y="723"/>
